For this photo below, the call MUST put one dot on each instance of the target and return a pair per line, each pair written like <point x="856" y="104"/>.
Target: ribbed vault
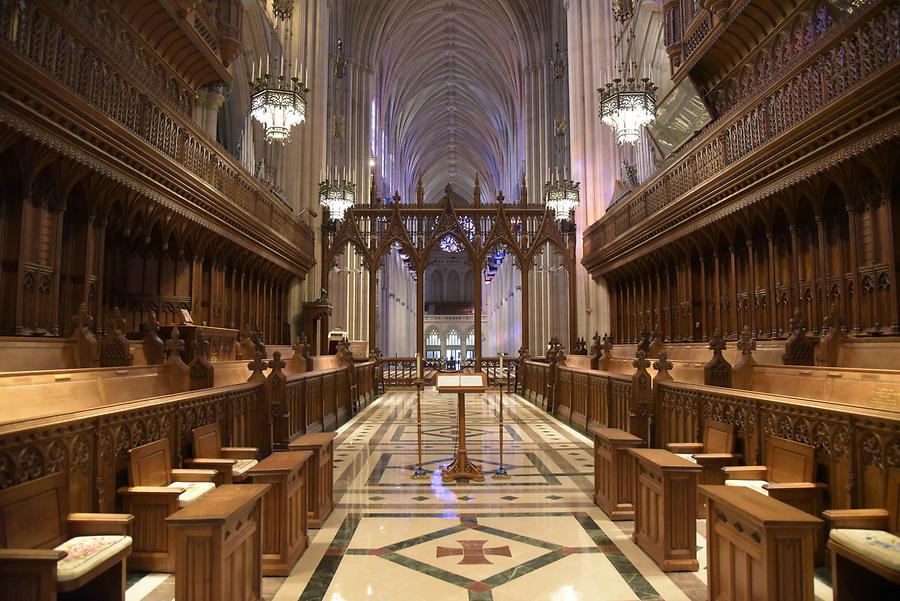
<point x="450" y="77"/>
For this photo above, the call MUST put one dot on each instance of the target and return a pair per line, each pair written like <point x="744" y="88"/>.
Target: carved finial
<point x="258" y="342"/>
<point x="640" y="360"/>
<point x="448" y="190"/>
<point x="717" y="342"/>
<point x="644" y="344"/>
<point x="174" y="344"/>
<point x="276" y="364"/>
<point x="500" y="197"/>
<point x="151" y="325"/>
<point x="83" y="319"/>
<point x="201" y="344"/>
<point x="662" y="363"/>
<point x="607" y="343"/>
<point x="115" y="324"/>
<point x="596" y="345"/>
<point x="257" y="366"/>
<point x="746" y="344"/>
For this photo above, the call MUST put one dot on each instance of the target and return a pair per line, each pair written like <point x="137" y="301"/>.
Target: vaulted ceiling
<point x="450" y="77"/>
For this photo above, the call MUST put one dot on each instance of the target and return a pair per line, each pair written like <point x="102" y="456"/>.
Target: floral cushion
<point x="688" y="456"/>
<point x="84" y="553"/>
<point x="881" y="547"/>
<point x="242" y="465"/>
<point x="192" y="491"/>
<point x="756" y="485"/>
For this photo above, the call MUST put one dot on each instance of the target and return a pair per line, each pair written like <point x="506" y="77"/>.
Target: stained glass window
<point x="450" y="244"/>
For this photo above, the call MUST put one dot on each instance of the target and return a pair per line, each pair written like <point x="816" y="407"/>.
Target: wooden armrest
<point x="712" y="459"/>
<point x="240" y="452"/>
<point x="745" y="472"/>
<point x="209" y="463"/>
<point x="90" y="524"/>
<point x="685" y="447"/>
<point x="150" y="491"/>
<point x="773" y="486"/>
<point x="41" y="555"/>
<point x="858" y="519"/>
<point x="182" y="475"/>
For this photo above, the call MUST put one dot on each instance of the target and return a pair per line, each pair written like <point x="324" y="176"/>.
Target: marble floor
<point x="536" y="536"/>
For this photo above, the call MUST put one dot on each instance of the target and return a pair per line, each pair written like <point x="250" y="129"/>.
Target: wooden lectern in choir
<point x="461" y="467"/>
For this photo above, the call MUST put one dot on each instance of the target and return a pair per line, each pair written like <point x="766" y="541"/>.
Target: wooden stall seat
<point x="787" y="475"/>
<point x="319" y="474"/>
<point x="865" y="548"/>
<point x="232" y="463"/>
<point x="156" y="492"/>
<point x="46" y="550"/>
<point x="715" y="452"/>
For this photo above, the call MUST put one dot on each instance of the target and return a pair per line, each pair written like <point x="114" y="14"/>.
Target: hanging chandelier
<point x="622" y="10"/>
<point x="562" y="195"/>
<point x="277" y="90"/>
<point x="337" y="194"/>
<point x="626" y="105"/>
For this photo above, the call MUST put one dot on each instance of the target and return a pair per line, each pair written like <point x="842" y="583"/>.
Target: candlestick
<point x="418" y="366"/>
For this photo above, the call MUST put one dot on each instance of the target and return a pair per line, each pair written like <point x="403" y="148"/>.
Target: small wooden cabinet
<point x="284" y="509"/>
<point x="219" y="545"/>
<point x="319" y="475"/>
<point x="614" y="471"/>
<point x="665" y="508"/>
<point x="758" y="547"/>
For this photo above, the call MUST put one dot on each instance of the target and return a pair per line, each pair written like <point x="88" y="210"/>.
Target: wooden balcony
<point x="81" y="84"/>
<point x="835" y="101"/>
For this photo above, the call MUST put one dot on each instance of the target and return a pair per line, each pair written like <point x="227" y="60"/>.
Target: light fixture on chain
<point x="622" y="10"/>
<point x="277" y="87"/>
<point x="626" y="105"/>
<point x="628" y="102"/>
<point x="337" y="194"/>
<point x="562" y="195"/>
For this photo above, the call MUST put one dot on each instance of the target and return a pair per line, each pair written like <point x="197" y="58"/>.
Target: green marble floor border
<point x="478" y="590"/>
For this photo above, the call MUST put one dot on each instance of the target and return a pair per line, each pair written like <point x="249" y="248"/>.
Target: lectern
<point x="461" y="467"/>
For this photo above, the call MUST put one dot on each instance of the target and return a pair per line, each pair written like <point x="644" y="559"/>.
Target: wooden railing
<point x="92" y="445"/>
<point x="844" y="64"/>
<point x="82" y="54"/>
<point x="856" y="434"/>
<point x="491" y="366"/>
<point x="854" y="446"/>
<point x="398" y="371"/>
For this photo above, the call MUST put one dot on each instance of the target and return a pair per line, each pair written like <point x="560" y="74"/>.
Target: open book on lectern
<point x="461" y="382"/>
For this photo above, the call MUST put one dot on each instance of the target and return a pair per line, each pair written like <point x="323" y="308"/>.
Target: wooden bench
<point x="758" y="547"/>
<point x="865" y="548"/>
<point x="156" y="492"/>
<point x="219" y="545"/>
<point x="614" y="471"/>
<point x="27" y="395"/>
<point x="46" y="550"/>
<point x="665" y="509"/>
<point x="232" y="463"/>
<point x="715" y="452"/>
<point x="319" y="475"/>
<point x="285" y="515"/>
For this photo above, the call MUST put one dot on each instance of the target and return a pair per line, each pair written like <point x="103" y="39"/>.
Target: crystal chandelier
<point x="337" y="194"/>
<point x="562" y="195"/>
<point x="626" y="105"/>
<point x="277" y="91"/>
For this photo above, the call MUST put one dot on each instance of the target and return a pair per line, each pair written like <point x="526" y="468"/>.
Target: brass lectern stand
<point x="461" y="467"/>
